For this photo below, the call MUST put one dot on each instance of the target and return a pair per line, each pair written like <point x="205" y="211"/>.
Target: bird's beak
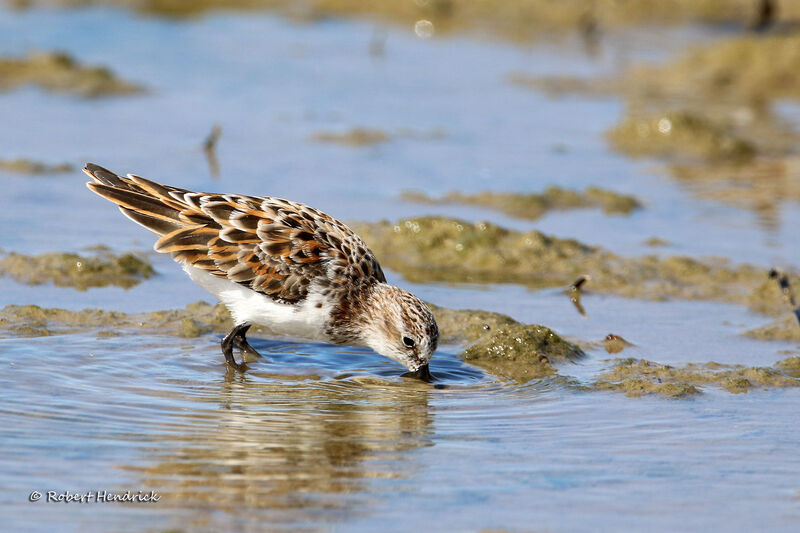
<point x="422" y="373"/>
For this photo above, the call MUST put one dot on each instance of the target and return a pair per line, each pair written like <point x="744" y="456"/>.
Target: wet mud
<point x="27" y="166"/>
<point x="679" y="134"/>
<point x="709" y="114"/>
<point x="497" y="343"/>
<point x="59" y="72"/>
<point x="639" y="377"/>
<point x="706" y="113"/>
<point x="464" y="326"/>
<point x="359" y="137"/>
<point x="327" y="435"/>
<point x="455" y="326"/>
<point x="192" y="321"/>
<point x="762" y="186"/>
<point x="514" y="21"/>
<point x="353" y="137"/>
<point x="522" y="352"/>
<point x="428" y="249"/>
<point x="81" y="272"/>
<point x="494" y="342"/>
<point x="656" y="242"/>
<point x="784" y="328"/>
<point x="535" y="205"/>
<point x="742" y="69"/>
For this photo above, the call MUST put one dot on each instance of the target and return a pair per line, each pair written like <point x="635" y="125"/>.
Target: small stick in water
<point x="210" y="149"/>
<point x="765" y="15"/>
<point x="590" y="32"/>
<point x="377" y="43"/>
<point x="574" y="292"/>
<point x="786" y="290"/>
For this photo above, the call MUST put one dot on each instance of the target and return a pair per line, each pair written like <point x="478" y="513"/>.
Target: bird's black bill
<point x="423" y="373"/>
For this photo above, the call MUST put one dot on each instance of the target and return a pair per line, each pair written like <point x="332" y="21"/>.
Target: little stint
<point x="280" y="264"/>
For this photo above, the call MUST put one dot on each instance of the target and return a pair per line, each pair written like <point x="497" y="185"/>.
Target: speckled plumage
<point x="279" y="263"/>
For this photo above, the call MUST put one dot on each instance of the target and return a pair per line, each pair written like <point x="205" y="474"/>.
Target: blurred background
<point x="662" y="136"/>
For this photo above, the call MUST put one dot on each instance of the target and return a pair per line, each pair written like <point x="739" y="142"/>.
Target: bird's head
<point x="401" y="327"/>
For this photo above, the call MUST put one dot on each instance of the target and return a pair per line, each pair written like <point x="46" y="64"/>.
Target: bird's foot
<point x="236" y="339"/>
<point x="241" y="344"/>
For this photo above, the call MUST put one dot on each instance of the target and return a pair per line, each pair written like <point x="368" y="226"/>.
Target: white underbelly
<point x="306" y="320"/>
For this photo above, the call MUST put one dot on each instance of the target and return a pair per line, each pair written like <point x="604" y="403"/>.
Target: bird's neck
<point x="354" y="309"/>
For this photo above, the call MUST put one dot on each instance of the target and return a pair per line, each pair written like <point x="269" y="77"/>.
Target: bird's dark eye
<point x="409" y="342"/>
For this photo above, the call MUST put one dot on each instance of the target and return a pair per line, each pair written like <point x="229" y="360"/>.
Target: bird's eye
<point x="409" y="342"/>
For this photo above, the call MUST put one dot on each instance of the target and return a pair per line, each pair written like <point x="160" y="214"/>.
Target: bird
<point x="280" y="264"/>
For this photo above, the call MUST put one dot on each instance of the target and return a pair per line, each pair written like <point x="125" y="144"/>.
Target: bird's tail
<point x="156" y="207"/>
<point x="174" y="214"/>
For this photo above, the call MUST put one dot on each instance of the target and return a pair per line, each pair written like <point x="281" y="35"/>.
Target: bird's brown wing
<point x="274" y="246"/>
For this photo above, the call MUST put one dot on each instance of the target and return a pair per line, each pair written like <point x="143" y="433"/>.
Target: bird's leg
<point x="240" y="341"/>
<point x="233" y="339"/>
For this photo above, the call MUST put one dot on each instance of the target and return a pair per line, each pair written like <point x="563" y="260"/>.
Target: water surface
<point x="331" y="438"/>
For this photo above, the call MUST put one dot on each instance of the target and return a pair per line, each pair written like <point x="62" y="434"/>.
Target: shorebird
<point x="280" y="264"/>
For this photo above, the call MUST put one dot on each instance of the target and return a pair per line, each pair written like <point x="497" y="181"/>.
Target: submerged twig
<point x="590" y="33"/>
<point x="377" y="43"/>
<point x="765" y="16"/>
<point x="574" y="292"/>
<point x="786" y="290"/>
<point x="210" y="149"/>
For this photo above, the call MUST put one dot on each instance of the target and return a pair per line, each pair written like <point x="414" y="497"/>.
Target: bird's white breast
<point x="306" y="319"/>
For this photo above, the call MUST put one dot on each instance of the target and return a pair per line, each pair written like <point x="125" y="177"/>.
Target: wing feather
<point x="269" y="244"/>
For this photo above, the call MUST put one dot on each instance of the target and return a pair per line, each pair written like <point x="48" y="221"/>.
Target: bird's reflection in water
<point x="258" y="447"/>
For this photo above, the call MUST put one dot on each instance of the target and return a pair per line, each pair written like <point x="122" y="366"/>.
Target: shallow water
<point x="300" y="445"/>
<point x="319" y="437"/>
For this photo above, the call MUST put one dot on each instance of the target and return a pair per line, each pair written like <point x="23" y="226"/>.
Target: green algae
<point x="458" y="326"/>
<point x="507" y="349"/>
<point x="557" y="86"/>
<point x="731" y="147"/>
<point x="760" y="185"/>
<point x="744" y="72"/>
<point x="59" y="72"/>
<point x="535" y="205"/>
<point x="194" y="320"/>
<point x="749" y="68"/>
<point x="656" y="242"/>
<point x="359" y="137"/>
<point x="77" y="271"/>
<point x="679" y="134"/>
<point x="499" y="344"/>
<point x="737" y="385"/>
<point x="681" y="128"/>
<point x="785" y="328"/>
<point x="26" y="166"/>
<point x="790" y="366"/>
<point x="635" y="388"/>
<point x="504" y="347"/>
<point x="353" y="137"/>
<point x="639" y="377"/>
<point x="521" y="352"/>
<point x="521" y="20"/>
<point x="445" y="249"/>
<point x="709" y="114"/>
<point x="35" y="321"/>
